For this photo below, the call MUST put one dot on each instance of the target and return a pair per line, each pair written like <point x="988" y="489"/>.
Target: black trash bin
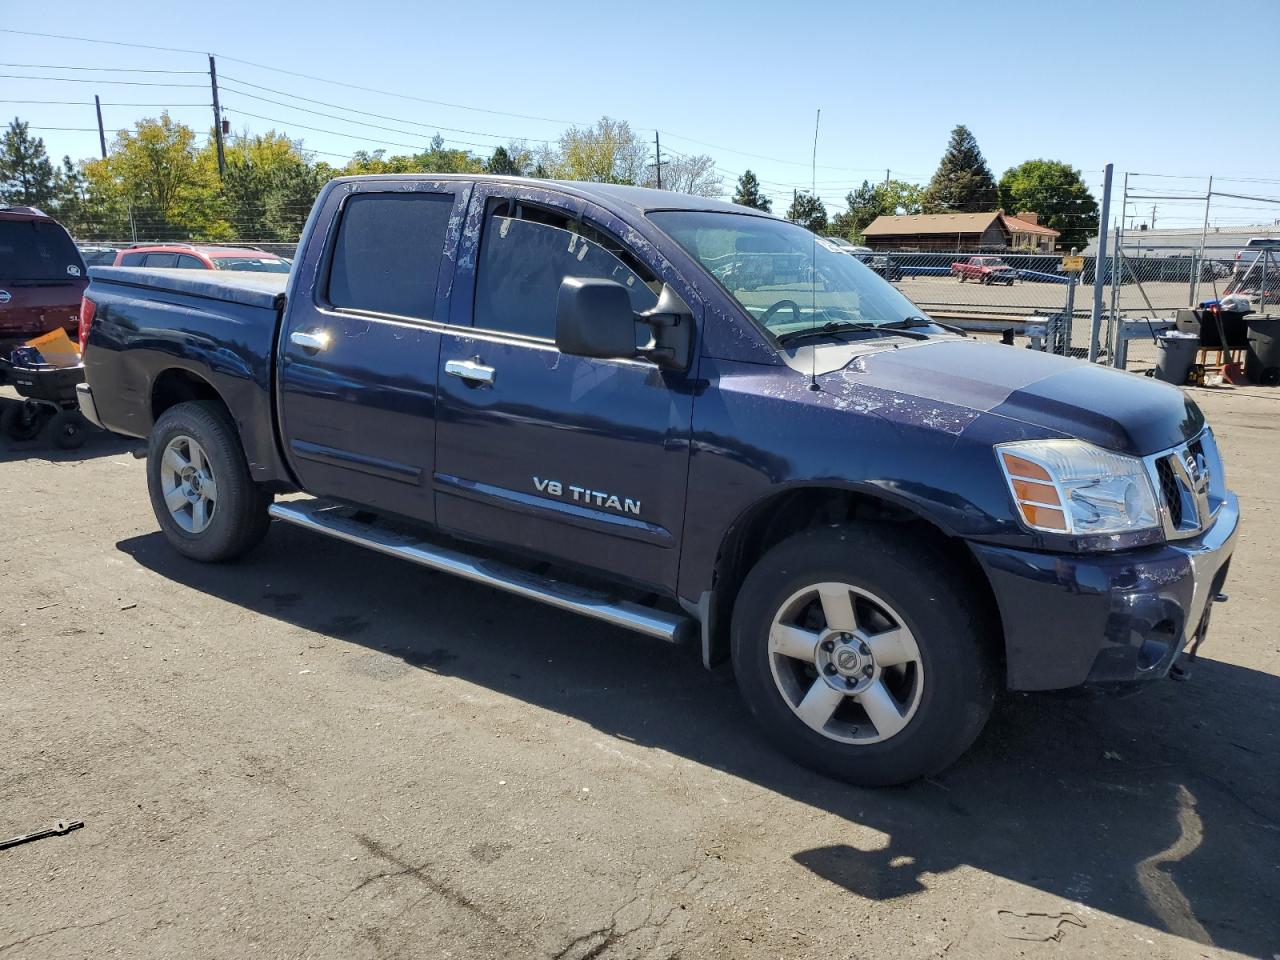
<point x="1262" y="363"/>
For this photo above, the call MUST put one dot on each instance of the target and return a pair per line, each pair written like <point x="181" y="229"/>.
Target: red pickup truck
<point x="985" y="270"/>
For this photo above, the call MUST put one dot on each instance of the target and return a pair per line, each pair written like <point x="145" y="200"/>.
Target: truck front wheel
<point x="208" y="505"/>
<point x="861" y="654"/>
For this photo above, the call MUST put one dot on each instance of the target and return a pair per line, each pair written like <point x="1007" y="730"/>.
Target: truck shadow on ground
<point x="1159" y="808"/>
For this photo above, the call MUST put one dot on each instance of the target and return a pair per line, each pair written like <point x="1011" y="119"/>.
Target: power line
<point x="64" y="66"/>
<point x="117" y="83"/>
<point x="89" y="103"/>
<point x="366" y="113"/>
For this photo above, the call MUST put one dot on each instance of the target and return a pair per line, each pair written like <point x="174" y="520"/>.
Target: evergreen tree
<point x="26" y="175"/>
<point x="748" y="194"/>
<point x="963" y="182"/>
<point x="863" y="206"/>
<point x="808" y="211"/>
<point x="503" y="163"/>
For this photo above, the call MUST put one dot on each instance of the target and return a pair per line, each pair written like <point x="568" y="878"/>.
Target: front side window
<point x="386" y="258"/>
<point x="527" y="252"/>
<point x="781" y="275"/>
<point x="188" y="262"/>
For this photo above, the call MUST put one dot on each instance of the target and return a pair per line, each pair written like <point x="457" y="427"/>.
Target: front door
<point x="358" y="363"/>
<point x="569" y="457"/>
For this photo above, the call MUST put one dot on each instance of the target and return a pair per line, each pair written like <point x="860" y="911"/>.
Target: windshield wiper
<point x="828" y="328"/>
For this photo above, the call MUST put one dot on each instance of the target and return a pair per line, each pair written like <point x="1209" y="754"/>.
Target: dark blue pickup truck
<point x="689" y="419"/>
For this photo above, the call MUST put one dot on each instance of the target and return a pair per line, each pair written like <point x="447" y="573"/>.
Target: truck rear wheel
<point x="861" y="655"/>
<point x="208" y="505"/>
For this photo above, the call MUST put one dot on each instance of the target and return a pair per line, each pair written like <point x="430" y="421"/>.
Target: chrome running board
<point x="329" y="518"/>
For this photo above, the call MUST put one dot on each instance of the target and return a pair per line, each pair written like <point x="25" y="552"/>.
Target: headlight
<point x="1069" y="486"/>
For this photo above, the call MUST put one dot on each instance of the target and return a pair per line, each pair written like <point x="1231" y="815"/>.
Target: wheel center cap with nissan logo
<point x="5" y="296"/>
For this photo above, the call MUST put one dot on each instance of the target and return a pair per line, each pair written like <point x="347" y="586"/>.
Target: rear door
<point x="568" y="457"/>
<point x="357" y="365"/>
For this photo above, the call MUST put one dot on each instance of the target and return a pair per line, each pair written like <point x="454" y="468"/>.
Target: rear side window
<point x="386" y="258"/>
<point x="37" y="250"/>
<point x="132" y="259"/>
<point x="162" y="259"/>
<point x="526" y="256"/>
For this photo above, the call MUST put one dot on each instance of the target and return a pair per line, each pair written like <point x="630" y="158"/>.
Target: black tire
<point x="67" y="429"/>
<point x="24" y="420"/>
<point x="932" y="598"/>
<point x="238" y="519"/>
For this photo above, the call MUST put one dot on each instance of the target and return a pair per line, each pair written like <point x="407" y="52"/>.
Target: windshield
<point x="780" y="275"/>
<point x="37" y="250"/>
<point x="254" y="264"/>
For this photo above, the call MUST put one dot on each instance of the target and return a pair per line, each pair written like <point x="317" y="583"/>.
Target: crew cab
<point x="597" y="397"/>
<point x="188" y="256"/>
<point x="984" y="270"/>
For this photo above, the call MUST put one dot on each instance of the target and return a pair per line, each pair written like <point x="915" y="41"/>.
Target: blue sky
<point x="1083" y="82"/>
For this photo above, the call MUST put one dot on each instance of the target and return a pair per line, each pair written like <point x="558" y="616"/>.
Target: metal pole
<point x="1262" y="285"/>
<point x="657" y="150"/>
<point x="102" y="134"/>
<point x="1115" y="271"/>
<point x="1204" y="238"/>
<point x="217" y="117"/>
<point x="1099" y="262"/>
<point x="1065" y="327"/>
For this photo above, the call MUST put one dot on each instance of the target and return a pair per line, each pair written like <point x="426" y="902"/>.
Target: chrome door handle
<point x="471" y="371"/>
<point x="312" y="340"/>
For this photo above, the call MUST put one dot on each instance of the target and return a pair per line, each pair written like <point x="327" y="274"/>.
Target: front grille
<point x="1170" y="491"/>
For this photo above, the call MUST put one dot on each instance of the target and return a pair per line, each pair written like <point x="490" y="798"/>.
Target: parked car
<point x="42" y="277"/>
<point x="885" y="266"/>
<point x="96" y="255"/>
<point x="545" y="387"/>
<point x="984" y="270"/>
<point x="1249" y="262"/>
<point x="185" y="256"/>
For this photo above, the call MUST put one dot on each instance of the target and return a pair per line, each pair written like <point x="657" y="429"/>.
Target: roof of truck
<point x="641" y="199"/>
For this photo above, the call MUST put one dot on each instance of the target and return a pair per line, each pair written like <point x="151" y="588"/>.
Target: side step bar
<point x="329" y="518"/>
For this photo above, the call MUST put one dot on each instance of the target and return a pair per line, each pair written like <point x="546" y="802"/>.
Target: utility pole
<point x="217" y="117"/>
<point x="102" y="135"/>
<point x="1099" y="267"/>
<point x="657" y="149"/>
<point x="1153" y="216"/>
<point x="886" y="178"/>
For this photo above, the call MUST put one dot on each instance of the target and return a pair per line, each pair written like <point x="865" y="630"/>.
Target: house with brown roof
<point x="994" y="231"/>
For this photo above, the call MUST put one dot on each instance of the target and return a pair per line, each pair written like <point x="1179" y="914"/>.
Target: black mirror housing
<point x="594" y="318"/>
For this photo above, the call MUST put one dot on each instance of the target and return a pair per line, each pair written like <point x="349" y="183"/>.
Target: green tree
<point x="748" y="193"/>
<point x="608" y="152"/>
<point x="268" y="186"/>
<point x="963" y="181"/>
<point x="27" y="177"/>
<point x="892" y="198"/>
<point x="808" y="211"/>
<point x="1057" y="192"/>
<point x="503" y="163"/>
<point x="170" y="188"/>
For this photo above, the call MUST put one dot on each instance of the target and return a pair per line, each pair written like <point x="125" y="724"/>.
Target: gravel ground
<point x="321" y="752"/>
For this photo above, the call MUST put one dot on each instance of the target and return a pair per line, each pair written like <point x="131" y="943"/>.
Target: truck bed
<point x="190" y="333"/>
<point x="250" y="289"/>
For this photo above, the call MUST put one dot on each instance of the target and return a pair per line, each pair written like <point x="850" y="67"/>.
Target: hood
<point x="1113" y="409"/>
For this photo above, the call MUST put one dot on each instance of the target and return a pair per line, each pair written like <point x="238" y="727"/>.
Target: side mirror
<point x="594" y="318"/>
